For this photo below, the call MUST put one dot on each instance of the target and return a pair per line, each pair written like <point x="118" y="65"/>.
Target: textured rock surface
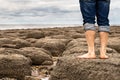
<point x="115" y="43"/>
<point x="14" y="43"/>
<point x="37" y="55"/>
<point x="14" y="66"/>
<point x="71" y="68"/>
<point x="35" y="34"/>
<point x="55" y="46"/>
<point x="44" y="45"/>
<point x="79" y="46"/>
<point x="20" y="43"/>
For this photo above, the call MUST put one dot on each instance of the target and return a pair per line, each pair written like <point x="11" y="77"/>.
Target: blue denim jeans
<point x="95" y="9"/>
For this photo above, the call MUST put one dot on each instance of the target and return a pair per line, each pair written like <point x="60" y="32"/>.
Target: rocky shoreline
<point x="37" y="54"/>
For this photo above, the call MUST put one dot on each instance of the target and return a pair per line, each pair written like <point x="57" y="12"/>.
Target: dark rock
<point x="71" y="68"/>
<point x="14" y="66"/>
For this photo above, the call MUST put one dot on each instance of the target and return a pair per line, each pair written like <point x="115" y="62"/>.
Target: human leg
<point x="104" y="27"/>
<point x="88" y="13"/>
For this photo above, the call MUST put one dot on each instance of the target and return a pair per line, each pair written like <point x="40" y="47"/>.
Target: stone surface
<point x="65" y="41"/>
<point x="14" y="43"/>
<point x="37" y="55"/>
<point x="72" y="68"/>
<point x="14" y="66"/>
<point x="8" y="79"/>
<point x="55" y="46"/>
<point x="4" y="41"/>
<point x="115" y="43"/>
<point x="35" y="34"/>
<point x="20" y="43"/>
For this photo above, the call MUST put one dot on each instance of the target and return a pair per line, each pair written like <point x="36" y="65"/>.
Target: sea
<point x="34" y="26"/>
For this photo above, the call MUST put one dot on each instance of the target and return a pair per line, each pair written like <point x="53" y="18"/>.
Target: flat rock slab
<point x="72" y="68"/>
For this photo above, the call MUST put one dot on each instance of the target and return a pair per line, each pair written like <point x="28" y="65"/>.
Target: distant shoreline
<point x="33" y="26"/>
<point x="38" y="26"/>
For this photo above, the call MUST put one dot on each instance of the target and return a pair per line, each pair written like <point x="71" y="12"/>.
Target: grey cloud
<point x="43" y="11"/>
<point x="36" y="12"/>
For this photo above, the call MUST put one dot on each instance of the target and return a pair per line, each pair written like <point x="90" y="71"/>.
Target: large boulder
<point x="55" y="46"/>
<point x="72" y="68"/>
<point x="14" y="66"/>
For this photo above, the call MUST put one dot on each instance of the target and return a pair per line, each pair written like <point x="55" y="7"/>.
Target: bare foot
<point x="87" y="56"/>
<point x="104" y="57"/>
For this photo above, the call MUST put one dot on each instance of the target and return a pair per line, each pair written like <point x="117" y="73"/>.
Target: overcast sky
<point x="48" y="12"/>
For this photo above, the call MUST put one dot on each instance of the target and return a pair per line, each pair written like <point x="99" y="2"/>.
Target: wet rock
<point x="14" y="66"/>
<point x="71" y="68"/>
<point x="55" y="46"/>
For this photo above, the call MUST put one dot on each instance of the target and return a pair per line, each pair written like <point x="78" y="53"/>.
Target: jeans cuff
<point x="89" y="26"/>
<point x="104" y="29"/>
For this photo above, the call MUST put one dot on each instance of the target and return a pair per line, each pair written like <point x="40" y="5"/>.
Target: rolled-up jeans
<point x="95" y="10"/>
